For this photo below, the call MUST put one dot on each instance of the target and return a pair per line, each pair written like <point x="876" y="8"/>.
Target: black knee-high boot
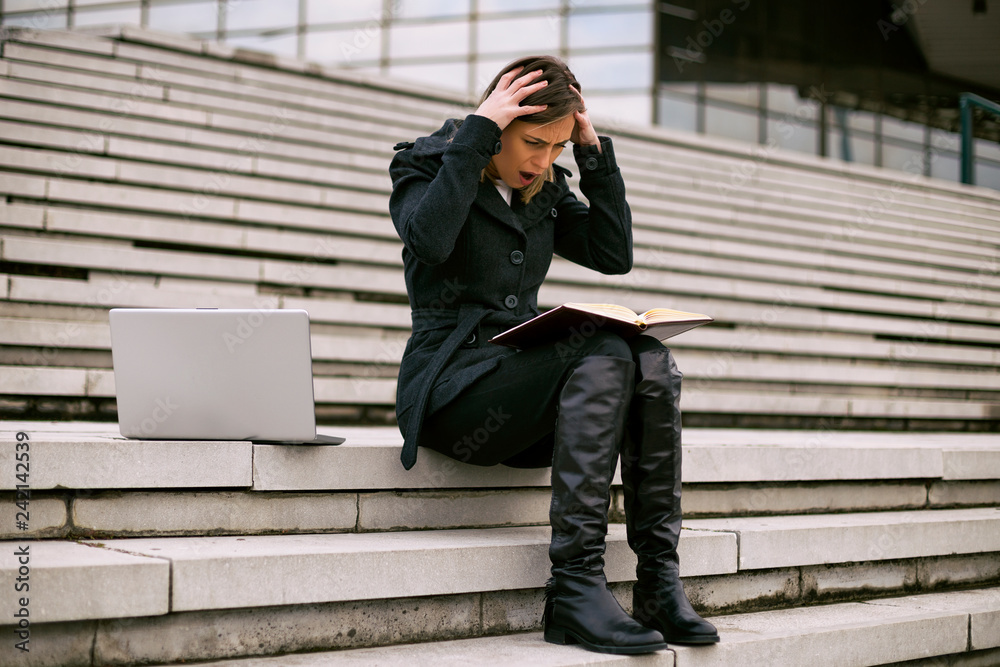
<point x="651" y="480"/>
<point x="579" y="607"/>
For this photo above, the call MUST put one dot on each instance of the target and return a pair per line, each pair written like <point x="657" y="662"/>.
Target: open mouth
<point x="527" y="177"/>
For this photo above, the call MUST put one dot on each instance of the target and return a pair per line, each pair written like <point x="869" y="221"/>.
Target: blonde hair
<point x="560" y="100"/>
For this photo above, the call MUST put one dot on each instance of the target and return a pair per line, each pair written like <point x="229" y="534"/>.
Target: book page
<point x="584" y="319"/>
<point x="656" y="315"/>
<point x="608" y="310"/>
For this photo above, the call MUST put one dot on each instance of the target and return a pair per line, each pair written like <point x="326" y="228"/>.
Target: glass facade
<point x="715" y="64"/>
<point x="809" y="77"/>
<point x="454" y="44"/>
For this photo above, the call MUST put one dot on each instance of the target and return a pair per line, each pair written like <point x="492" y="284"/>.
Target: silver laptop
<point x="210" y="374"/>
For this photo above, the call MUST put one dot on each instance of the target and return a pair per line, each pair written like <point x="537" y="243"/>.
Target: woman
<point x="481" y="207"/>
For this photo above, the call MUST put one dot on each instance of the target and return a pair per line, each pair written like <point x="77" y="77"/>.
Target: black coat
<point x="473" y="264"/>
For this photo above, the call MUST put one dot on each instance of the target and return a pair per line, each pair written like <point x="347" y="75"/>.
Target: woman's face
<point x="528" y="150"/>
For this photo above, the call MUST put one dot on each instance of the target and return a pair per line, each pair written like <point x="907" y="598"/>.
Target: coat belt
<point x="428" y="319"/>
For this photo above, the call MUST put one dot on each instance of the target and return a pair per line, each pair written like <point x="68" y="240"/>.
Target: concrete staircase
<point x="855" y="548"/>
<point x="141" y="169"/>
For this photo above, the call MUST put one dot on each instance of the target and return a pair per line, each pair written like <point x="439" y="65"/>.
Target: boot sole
<point x="563" y="636"/>
<point x="696" y="640"/>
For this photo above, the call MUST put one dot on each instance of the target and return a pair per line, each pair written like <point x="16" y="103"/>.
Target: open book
<point x="583" y="319"/>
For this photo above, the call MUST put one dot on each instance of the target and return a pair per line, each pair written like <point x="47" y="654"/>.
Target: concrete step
<point x="898" y="206"/>
<point x="790" y="541"/>
<point x="847" y="239"/>
<point x="140" y="173"/>
<point x="131" y="62"/>
<point x="797" y="557"/>
<point x="100" y="113"/>
<point x="701" y="160"/>
<point x="942" y="628"/>
<point x="853" y="272"/>
<point x="211" y="573"/>
<point x="655" y="250"/>
<point x="103" y="289"/>
<point x="805" y="556"/>
<point x="108" y="256"/>
<point x="371" y="347"/>
<point x="88" y="481"/>
<point x="150" y="86"/>
<point x="297" y="603"/>
<point x="75" y="455"/>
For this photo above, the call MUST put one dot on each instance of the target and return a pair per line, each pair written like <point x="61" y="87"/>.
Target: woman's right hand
<point x="504" y="104"/>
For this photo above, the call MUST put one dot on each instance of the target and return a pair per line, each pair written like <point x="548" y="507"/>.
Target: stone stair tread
<point x="844" y="634"/>
<point x="812" y="539"/>
<point x="94" y="455"/>
<point x="105" y="583"/>
<point x="528" y="649"/>
<point x="208" y="573"/>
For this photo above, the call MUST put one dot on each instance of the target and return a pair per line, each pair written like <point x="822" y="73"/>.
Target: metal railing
<point x="966" y="102"/>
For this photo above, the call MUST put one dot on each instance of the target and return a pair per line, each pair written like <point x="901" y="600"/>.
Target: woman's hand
<point x="504" y="103"/>
<point x="584" y="133"/>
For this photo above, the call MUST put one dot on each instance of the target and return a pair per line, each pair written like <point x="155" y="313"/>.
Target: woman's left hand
<point x="584" y="133"/>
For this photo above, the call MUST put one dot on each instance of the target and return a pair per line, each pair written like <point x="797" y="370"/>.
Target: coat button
<point x="591" y="163"/>
<point x="498" y="148"/>
<point x="554" y="213"/>
<point x="471" y="340"/>
<point x="510" y="301"/>
<point x="516" y="257"/>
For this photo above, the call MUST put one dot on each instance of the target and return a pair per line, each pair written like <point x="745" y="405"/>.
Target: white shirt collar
<point x="505" y="190"/>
